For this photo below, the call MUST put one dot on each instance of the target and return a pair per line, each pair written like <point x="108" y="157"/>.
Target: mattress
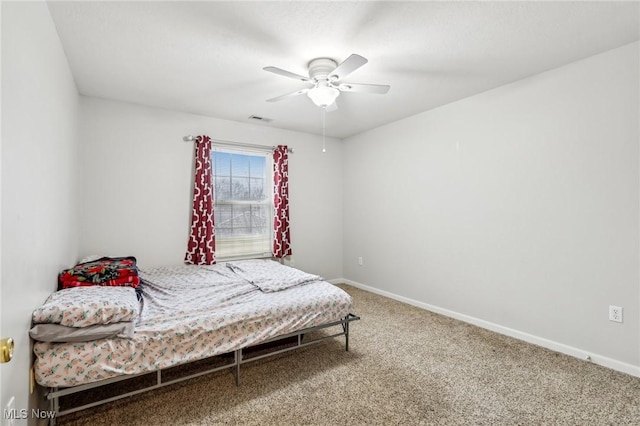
<point x="190" y="313"/>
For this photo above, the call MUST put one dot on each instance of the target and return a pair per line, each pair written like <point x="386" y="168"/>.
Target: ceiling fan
<point x="326" y="76"/>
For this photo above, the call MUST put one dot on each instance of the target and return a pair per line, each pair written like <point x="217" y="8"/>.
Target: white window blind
<point x="243" y="203"/>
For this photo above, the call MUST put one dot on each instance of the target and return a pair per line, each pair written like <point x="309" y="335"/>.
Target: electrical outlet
<point x="360" y="261"/>
<point x="615" y="313"/>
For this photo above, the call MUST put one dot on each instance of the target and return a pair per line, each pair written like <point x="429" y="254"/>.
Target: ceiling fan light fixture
<point x="323" y="96"/>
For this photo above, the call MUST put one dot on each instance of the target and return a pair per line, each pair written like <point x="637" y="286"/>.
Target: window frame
<point x="233" y="245"/>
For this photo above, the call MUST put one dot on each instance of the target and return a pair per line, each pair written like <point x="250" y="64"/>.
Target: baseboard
<point x="536" y="340"/>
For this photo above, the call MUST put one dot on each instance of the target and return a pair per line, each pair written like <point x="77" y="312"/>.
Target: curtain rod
<point x="190" y="138"/>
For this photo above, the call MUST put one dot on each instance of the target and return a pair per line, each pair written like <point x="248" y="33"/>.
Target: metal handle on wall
<point x="6" y="349"/>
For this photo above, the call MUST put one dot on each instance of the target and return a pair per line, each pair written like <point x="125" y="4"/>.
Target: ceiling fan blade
<point x="285" y="73"/>
<point x="288" y="95"/>
<point x="332" y="107"/>
<point x="348" y="66"/>
<point x="379" y="89"/>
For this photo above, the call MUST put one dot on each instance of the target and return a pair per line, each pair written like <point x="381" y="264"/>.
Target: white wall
<point x="137" y="184"/>
<point x="517" y="208"/>
<point x="40" y="170"/>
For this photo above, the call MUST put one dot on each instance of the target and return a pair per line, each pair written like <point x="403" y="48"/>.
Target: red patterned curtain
<point x="281" y="237"/>
<point x="202" y="244"/>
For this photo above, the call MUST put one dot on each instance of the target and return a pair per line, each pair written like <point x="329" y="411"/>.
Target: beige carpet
<point x="406" y="366"/>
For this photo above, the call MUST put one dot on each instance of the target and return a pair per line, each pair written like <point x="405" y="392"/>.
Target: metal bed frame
<point x="53" y="394"/>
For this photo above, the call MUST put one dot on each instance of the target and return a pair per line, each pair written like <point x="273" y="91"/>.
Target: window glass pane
<point x="222" y="215"/>
<point x="222" y="188"/>
<point x="240" y="188"/>
<point x="221" y="163"/>
<point x="240" y="165"/>
<point x="257" y="189"/>
<point x="242" y="220"/>
<point x="260" y="219"/>
<point x="246" y="219"/>
<point x="257" y="165"/>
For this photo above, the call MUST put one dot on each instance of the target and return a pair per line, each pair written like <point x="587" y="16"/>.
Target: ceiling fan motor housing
<point x="320" y="68"/>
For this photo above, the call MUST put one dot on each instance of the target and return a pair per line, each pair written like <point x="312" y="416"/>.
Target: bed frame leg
<point x="346" y="335"/>
<point x="238" y="362"/>
<point x="54" y="406"/>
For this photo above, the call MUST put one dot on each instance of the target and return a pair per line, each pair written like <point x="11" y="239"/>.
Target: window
<point x="243" y="203"/>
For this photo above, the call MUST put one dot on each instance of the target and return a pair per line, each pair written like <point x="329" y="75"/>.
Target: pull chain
<point x="323" y="113"/>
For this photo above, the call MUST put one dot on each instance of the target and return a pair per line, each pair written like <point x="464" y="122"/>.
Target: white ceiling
<point x="207" y="57"/>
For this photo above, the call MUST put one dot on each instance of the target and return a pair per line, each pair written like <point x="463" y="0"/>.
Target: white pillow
<point x="84" y="306"/>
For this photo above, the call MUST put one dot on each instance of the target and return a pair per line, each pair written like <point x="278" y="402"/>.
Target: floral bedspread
<point x="270" y="276"/>
<point x="190" y="313"/>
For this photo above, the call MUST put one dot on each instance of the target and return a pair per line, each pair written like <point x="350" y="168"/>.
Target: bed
<point x="179" y="315"/>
